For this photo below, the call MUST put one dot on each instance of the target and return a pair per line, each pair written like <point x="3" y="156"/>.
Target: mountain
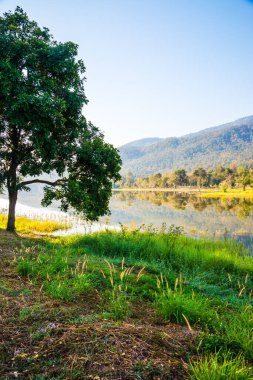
<point x="220" y="145"/>
<point x="134" y="148"/>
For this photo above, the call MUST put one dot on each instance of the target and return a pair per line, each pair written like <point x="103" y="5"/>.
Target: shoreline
<point x="208" y="193"/>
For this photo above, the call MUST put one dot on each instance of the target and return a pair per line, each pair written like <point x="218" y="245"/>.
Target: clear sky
<point x="156" y="67"/>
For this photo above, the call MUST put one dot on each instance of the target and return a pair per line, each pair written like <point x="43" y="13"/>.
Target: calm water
<point x="199" y="216"/>
<point x="218" y="217"/>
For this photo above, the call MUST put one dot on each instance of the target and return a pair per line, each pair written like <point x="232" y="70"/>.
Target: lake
<point x="200" y="217"/>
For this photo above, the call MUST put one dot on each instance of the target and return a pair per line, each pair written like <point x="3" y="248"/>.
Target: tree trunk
<point x="11" y="213"/>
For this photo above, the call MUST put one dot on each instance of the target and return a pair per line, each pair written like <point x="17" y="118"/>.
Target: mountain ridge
<point x="210" y="147"/>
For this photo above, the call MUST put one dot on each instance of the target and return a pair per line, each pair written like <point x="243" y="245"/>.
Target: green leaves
<point x="42" y="128"/>
<point x="91" y="172"/>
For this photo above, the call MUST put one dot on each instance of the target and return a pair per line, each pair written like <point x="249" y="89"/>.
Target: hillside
<point x="220" y="145"/>
<point x="134" y="149"/>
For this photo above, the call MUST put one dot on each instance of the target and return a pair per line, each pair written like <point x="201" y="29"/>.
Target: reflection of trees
<point x="244" y="208"/>
<point x="180" y="201"/>
<point x="240" y="207"/>
<point x="129" y="198"/>
<point x="200" y="204"/>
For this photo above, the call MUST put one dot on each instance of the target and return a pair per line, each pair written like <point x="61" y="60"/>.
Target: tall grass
<point x="221" y="367"/>
<point x="27" y="225"/>
<point x="176" y="305"/>
<point x="178" y="253"/>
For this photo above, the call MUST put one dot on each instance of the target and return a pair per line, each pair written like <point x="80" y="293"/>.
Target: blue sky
<point x="156" y="67"/>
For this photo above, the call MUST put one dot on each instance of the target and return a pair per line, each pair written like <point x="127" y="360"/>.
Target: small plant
<point x="238" y="332"/>
<point x="82" y="283"/>
<point x="25" y="268"/>
<point x="176" y="306"/>
<point x="59" y="289"/>
<point x="119" y="305"/>
<point x="27" y="312"/>
<point x="211" y="343"/>
<point x="24" y="313"/>
<point x="39" y="335"/>
<point x="221" y="367"/>
<point x="119" y="308"/>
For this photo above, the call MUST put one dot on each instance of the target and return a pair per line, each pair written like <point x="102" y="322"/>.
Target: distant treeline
<point x="223" y="177"/>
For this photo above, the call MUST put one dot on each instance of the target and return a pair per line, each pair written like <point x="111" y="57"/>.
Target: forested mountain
<point x="134" y="149"/>
<point x="221" y="145"/>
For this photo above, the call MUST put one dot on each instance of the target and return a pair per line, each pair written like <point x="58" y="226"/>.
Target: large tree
<point x="200" y="175"/>
<point x="42" y="129"/>
<point x="245" y="177"/>
<point x="179" y="178"/>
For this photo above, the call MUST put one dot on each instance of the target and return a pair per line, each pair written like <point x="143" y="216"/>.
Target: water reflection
<point x="241" y="207"/>
<point x="212" y="217"/>
<point x="215" y="217"/>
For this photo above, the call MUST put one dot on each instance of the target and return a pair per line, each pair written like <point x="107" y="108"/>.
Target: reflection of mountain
<point x="208" y="148"/>
<point x="197" y="215"/>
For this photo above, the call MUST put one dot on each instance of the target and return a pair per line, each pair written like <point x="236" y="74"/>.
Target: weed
<point x="59" y="289"/>
<point x="177" y="306"/>
<point x="119" y="305"/>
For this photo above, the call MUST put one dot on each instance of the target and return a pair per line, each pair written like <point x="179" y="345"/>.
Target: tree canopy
<point x="42" y="128"/>
<point x="225" y="177"/>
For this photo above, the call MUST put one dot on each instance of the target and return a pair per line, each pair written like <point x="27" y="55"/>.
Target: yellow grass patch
<point x="32" y="225"/>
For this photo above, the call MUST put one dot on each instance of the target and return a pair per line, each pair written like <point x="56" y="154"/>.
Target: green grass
<point x="181" y="308"/>
<point x="202" y="284"/>
<point x="221" y="367"/>
<point x="27" y="225"/>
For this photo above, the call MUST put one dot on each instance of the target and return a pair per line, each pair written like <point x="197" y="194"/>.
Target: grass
<point x="183" y="309"/>
<point x="27" y="225"/>
<point x="221" y="367"/>
<point x="200" y="289"/>
<point x="237" y="193"/>
<point x="203" y="192"/>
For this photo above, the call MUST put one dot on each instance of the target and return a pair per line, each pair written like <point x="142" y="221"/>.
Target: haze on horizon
<point x="156" y="68"/>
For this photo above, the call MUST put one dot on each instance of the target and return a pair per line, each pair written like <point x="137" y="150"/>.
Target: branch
<point x="50" y="183"/>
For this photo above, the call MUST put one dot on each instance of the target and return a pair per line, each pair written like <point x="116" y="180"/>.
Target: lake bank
<point x="213" y="217"/>
<point x="141" y="301"/>
<point x="237" y="193"/>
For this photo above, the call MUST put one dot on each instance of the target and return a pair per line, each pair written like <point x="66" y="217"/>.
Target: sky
<point x="156" y="67"/>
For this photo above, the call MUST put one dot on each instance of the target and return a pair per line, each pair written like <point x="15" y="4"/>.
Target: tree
<point x="164" y="181"/>
<point x="155" y="180"/>
<point x="244" y="176"/>
<point x="129" y="180"/>
<point x="179" y="178"/>
<point x="200" y="175"/>
<point x="42" y="128"/>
